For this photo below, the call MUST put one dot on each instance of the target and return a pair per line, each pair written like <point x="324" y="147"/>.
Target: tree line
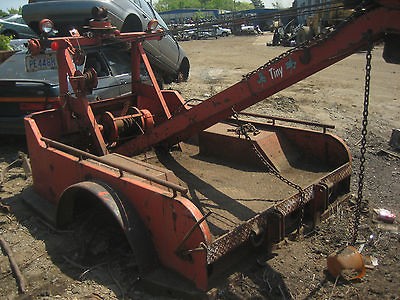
<point x="10" y="11"/>
<point x="231" y="5"/>
<point x="164" y="5"/>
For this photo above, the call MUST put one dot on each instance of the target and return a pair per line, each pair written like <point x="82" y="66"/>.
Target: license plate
<point x="39" y="62"/>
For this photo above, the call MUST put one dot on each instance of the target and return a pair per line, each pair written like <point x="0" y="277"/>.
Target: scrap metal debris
<point x="14" y="266"/>
<point x="388" y="152"/>
<point x="21" y="161"/>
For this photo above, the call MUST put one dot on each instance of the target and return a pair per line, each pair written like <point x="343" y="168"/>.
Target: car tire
<point x="183" y="73"/>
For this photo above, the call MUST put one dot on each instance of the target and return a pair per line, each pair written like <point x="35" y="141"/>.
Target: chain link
<point x="360" y="205"/>
<point x="331" y="31"/>
<point x="276" y="173"/>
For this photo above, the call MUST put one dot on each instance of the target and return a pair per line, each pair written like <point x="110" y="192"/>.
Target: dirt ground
<point x="296" y="268"/>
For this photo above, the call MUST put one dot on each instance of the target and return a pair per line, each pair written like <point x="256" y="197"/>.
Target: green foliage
<point x="199" y="15"/>
<point x="5" y="42"/>
<point x="11" y="11"/>
<point x="15" y="11"/>
<point x="164" y="5"/>
<point x="243" y="6"/>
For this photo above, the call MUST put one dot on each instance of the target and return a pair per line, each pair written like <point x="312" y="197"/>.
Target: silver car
<point x="14" y="25"/>
<point x="166" y="56"/>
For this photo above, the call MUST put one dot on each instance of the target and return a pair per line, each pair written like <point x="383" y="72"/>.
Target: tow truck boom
<point x="364" y="28"/>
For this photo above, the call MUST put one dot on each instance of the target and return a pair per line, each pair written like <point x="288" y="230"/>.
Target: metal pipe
<point x="287" y="120"/>
<point x="118" y="166"/>
<point x="179" y="248"/>
<point x="273" y="118"/>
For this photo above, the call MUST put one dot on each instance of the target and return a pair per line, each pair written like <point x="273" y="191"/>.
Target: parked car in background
<point x="221" y="31"/>
<point x="166" y="56"/>
<point x="14" y="25"/>
<point x="192" y="32"/>
<point x="26" y="87"/>
<point x="202" y="34"/>
<point x="247" y="29"/>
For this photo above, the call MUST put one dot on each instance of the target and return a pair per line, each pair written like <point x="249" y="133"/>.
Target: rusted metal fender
<point x="172" y="223"/>
<point x="126" y="216"/>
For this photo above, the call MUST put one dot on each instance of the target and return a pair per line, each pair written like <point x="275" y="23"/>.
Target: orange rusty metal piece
<point x="167" y="217"/>
<point x="134" y="123"/>
<point x="34" y="46"/>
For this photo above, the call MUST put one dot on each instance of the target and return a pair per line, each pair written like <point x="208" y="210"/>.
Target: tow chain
<point x="330" y="32"/>
<point x="244" y="130"/>
<point x="283" y="179"/>
<point x="360" y="205"/>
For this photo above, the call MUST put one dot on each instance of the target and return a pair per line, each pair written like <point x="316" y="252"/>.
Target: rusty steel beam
<point x="288" y="120"/>
<point x="296" y="121"/>
<point x="121" y="168"/>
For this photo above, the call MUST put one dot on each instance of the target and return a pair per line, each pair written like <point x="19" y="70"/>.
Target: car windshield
<point x="118" y="60"/>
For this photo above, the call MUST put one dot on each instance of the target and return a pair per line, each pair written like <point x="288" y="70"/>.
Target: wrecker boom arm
<point x="364" y="27"/>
